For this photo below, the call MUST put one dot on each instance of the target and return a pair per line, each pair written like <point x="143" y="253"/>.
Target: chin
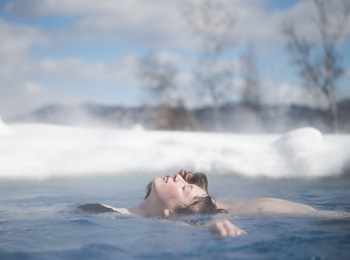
<point x="157" y="180"/>
<point x="158" y="184"/>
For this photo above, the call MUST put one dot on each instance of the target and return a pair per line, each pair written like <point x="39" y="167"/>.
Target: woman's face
<point x="198" y="179"/>
<point x="174" y="191"/>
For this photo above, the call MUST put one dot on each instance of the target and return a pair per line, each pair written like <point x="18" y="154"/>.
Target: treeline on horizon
<point x="237" y="118"/>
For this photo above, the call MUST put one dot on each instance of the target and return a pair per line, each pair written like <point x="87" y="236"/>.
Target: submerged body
<point x="268" y="205"/>
<point x="271" y="205"/>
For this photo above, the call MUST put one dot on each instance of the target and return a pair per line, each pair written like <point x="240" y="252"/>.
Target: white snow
<point x="38" y="151"/>
<point x="4" y="130"/>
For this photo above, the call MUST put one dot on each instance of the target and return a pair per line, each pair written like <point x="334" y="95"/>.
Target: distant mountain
<point x="235" y="117"/>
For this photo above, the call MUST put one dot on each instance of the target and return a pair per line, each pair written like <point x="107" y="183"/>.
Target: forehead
<point x="197" y="191"/>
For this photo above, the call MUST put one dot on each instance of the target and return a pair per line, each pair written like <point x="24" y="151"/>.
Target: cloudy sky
<point x="71" y="52"/>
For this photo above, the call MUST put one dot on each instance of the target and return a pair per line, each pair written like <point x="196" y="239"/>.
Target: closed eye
<point x="187" y="189"/>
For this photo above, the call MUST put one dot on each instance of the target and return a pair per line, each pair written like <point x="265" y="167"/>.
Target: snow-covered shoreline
<point x="39" y="151"/>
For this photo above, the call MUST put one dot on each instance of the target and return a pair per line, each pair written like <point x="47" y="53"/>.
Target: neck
<point x="148" y="208"/>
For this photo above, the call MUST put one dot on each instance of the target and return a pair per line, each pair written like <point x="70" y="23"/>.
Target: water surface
<point x="38" y="220"/>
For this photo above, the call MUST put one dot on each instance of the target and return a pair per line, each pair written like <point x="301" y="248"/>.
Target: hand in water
<point x="225" y="228"/>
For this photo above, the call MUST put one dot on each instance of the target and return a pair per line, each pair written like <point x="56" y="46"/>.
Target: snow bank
<point x="4" y="129"/>
<point x="43" y="151"/>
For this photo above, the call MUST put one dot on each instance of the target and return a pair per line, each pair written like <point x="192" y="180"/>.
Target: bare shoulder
<point x="272" y="205"/>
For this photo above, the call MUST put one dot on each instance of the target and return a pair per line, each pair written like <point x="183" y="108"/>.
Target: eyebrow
<point x="184" y="189"/>
<point x="199" y="195"/>
<point x="192" y="184"/>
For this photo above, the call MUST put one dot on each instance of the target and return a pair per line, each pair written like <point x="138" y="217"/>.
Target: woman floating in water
<point x="173" y="195"/>
<point x="187" y="193"/>
<point x="169" y="196"/>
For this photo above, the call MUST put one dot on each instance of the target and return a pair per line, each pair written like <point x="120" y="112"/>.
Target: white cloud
<point x="118" y="72"/>
<point x="15" y="60"/>
<point x="26" y="89"/>
<point x="16" y="40"/>
<point x="304" y="17"/>
<point x="21" y="73"/>
<point x="152" y="22"/>
<point x="160" y="23"/>
<point x="16" y="64"/>
<point x="347" y="72"/>
<point x="169" y="57"/>
<point x="256" y="24"/>
<point x="33" y="87"/>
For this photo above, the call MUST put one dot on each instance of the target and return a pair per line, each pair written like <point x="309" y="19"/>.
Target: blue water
<point x="38" y="220"/>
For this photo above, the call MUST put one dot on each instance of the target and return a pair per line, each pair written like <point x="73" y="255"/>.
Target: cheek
<point x="173" y="195"/>
<point x="170" y="194"/>
<point x="173" y="201"/>
<point x="174" y="191"/>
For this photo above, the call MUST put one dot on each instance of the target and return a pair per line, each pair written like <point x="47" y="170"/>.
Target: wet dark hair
<point x="199" y="179"/>
<point x="201" y="205"/>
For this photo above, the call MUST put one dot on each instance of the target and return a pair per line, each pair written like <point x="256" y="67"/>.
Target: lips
<point x="166" y="179"/>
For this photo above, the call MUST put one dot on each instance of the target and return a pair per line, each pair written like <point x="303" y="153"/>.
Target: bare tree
<point x="251" y="89"/>
<point x="161" y="78"/>
<point x="213" y="25"/>
<point x="320" y="72"/>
